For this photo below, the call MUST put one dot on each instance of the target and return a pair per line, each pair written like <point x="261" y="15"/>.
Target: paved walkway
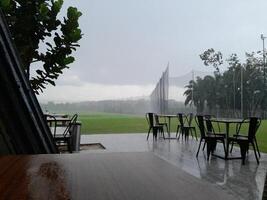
<point x="242" y="181"/>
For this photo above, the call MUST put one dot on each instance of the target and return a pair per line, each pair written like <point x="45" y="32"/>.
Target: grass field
<point x="99" y="123"/>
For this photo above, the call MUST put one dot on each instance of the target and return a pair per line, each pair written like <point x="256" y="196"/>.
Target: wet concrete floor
<point x="242" y="181"/>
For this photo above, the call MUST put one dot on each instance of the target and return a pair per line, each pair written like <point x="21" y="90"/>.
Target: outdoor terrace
<point x="240" y="181"/>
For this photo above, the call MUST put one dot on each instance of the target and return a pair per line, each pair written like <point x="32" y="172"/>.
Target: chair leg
<point x="257" y="147"/>
<point x="163" y="133"/>
<point x="148" y="133"/>
<point x="204" y="146"/>
<point x="210" y="147"/>
<point x="190" y="130"/>
<point x="155" y="133"/>
<point x="232" y="145"/>
<point x="186" y="134"/>
<point x="195" y="133"/>
<point x="167" y="129"/>
<point x="253" y="145"/>
<point x="243" y="150"/>
<point x="199" y="147"/>
<point x="183" y="133"/>
<point x="177" y="131"/>
<point x="224" y="147"/>
<point x="69" y="145"/>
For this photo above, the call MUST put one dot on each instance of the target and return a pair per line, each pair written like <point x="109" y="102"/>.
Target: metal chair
<point x="210" y="128"/>
<point x="161" y="124"/>
<point x="210" y="140"/>
<point x="185" y="128"/>
<point x="238" y="127"/>
<point x="153" y="126"/>
<point x="52" y="123"/>
<point x="66" y="136"/>
<point x="245" y="140"/>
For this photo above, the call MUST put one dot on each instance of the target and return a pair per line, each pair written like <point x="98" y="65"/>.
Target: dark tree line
<point x="223" y="91"/>
<point x="138" y="107"/>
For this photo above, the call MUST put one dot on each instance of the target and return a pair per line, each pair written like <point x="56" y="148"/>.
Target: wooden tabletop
<point x="117" y="176"/>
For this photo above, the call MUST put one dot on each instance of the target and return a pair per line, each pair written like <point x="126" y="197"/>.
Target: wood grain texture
<point x="99" y="176"/>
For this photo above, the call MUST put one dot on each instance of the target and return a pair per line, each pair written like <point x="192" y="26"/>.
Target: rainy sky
<point x="127" y="44"/>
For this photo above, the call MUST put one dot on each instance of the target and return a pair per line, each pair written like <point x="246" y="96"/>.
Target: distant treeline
<point x="138" y="107"/>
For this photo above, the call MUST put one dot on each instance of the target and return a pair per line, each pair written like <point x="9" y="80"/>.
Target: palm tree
<point x="195" y="93"/>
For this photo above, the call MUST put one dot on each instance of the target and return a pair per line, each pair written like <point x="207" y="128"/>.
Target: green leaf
<point x="57" y="6"/>
<point x="33" y="22"/>
<point x="4" y="4"/>
<point x="43" y="10"/>
<point x="68" y="60"/>
<point x="75" y="35"/>
<point x="73" y="13"/>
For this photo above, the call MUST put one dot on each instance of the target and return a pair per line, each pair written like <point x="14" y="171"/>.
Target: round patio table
<point x="227" y="122"/>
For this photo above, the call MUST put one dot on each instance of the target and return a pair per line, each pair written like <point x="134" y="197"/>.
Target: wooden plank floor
<point x="100" y="176"/>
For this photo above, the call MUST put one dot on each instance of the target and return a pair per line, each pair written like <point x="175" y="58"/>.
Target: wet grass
<point x="99" y="123"/>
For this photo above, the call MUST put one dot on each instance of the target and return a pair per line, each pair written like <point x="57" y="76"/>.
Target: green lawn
<point x="98" y="123"/>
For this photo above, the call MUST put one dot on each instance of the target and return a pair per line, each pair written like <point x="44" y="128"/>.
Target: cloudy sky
<point x="127" y="43"/>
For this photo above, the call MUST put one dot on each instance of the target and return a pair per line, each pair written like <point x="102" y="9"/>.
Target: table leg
<point x="169" y="127"/>
<point x="227" y="135"/>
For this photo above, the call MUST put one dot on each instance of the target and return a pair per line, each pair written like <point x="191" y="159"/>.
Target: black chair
<point x="210" y="128"/>
<point x="184" y="128"/>
<point x="245" y="140"/>
<point x="210" y="140"/>
<point x="161" y="123"/>
<point x="66" y="136"/>
<point x="238" y="134"/>
<point x="153" y="126"/>
<point x="189" y="119"/>
<point x="52" y="123"/>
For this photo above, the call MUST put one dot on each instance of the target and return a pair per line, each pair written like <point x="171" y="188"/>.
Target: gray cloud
<point x="129" y="42"/>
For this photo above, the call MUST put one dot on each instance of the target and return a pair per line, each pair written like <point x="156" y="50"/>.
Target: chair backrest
<point x="156" y="119"/>
<point x="209" y="125"/>
<point x="150" y="119"/>
<point x="69" y="128"/>
<point x="181" y="120"/>
<point x="208" y="116"/>
<point x="52" y="123"/>
<point x="190" y="117"/>
<point x="254" y="123"/>
<point x="200" y="123"/>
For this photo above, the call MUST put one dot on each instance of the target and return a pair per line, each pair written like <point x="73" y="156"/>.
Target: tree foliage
<point x="210" y="57"/>
<point x="223" y="90"/>
<point x="42" y="38"/>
